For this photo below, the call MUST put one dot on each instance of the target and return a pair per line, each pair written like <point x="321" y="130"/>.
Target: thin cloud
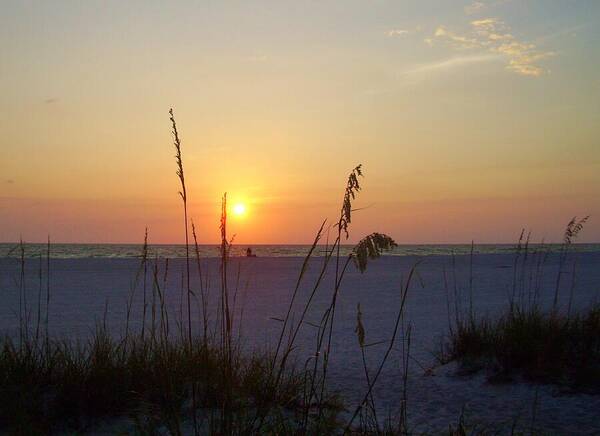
<point x="460" y="41"/>
<point x="486" y="23"/>
<point x="50" y="100"/>
<point x="9" y="181"/>
<point x="494" y="36"/>
<point x="452" y="63"/>
<point x="397" y="32"/>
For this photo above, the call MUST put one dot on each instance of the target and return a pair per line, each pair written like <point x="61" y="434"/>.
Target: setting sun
<point x="239" y="209"/>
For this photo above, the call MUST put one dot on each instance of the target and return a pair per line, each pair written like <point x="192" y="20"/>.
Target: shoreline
<point x="164" y="251"/>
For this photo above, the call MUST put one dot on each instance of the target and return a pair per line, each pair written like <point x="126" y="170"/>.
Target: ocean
<point x="123" y="251"/>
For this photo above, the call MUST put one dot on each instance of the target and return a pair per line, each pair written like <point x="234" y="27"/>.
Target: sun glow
<point x="239" y="209"/>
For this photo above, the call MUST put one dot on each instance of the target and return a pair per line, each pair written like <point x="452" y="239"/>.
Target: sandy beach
<point x="89" y="291"/>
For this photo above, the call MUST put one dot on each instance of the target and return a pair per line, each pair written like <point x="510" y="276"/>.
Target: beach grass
<point x="542" y="346"/>
<point x="71" y="385"/>
<point x="545" y="344"/>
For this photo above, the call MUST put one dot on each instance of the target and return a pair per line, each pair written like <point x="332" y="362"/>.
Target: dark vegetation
<point x="552" y="344"/>
<point x="72" y="386"/>
<point x="540" y="346"/>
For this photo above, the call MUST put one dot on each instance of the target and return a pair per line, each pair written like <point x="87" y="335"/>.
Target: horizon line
<point x="288" y="244"/>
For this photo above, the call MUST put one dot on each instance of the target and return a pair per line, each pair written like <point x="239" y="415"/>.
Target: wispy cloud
<point x="459" y="41"/>
<point x="394" y="33"/>
<point x="452" y="63"/>
<point x="50" y="100"/>
<point x="494" y="36"/>
<point x="397" y="32"/>
<point x="9" y="181"/>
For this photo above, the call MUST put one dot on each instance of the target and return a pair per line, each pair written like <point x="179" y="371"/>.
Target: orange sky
<point x="462" y="137"/>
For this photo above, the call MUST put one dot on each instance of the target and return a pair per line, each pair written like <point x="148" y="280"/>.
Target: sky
<point x="472" y="119"/>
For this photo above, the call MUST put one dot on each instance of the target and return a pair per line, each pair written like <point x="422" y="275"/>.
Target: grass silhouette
<point x="542" y="345"/>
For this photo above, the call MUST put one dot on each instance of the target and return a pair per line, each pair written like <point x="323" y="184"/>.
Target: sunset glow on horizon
<point x="471" y="123"/>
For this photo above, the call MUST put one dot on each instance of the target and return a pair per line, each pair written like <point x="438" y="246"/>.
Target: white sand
<point x="82" y="287"/>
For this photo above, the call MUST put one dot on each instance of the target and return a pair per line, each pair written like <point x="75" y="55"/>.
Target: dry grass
<point x="73" y="385"/>
<point x="541" y="346"/>
<point x="548" y="346"/>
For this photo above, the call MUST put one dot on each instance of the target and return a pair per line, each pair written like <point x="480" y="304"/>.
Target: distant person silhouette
<point x="249" y="252"/>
